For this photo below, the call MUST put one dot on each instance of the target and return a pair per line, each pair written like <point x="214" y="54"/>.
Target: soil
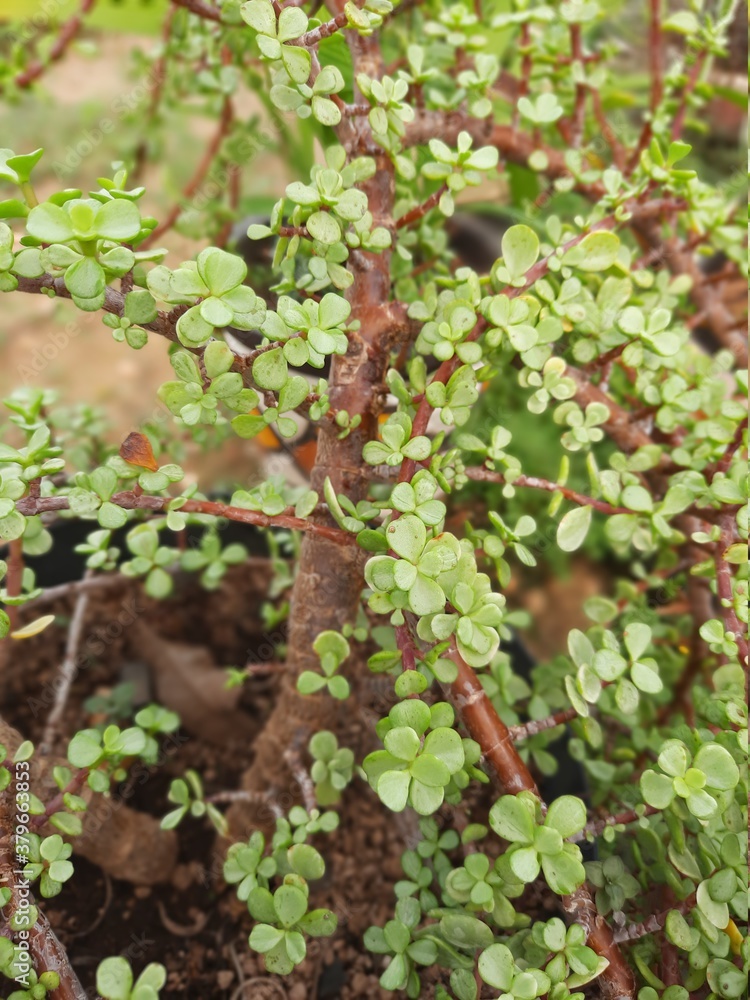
<point x="194" y="924"/>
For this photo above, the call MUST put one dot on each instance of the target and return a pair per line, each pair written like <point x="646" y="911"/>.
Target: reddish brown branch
<point x="114" y="302"/>
<point x="654" y="923"/>
<point x="678" y="122"/>
<point x="534" y="726"/>
<point x="598" y="826"/>
<point x="488" y="729"/>
<point x="129" y="500"/>
<point x="656" y="59"/>
<point x="419" y="211"/>
<point x="579" y="109"/>
<point x="725" y="592"/>
<point x="527" y="66"/>
<point x="198" y="177"/>
<point x="486" y="475"/>
<point x="65" y="37"/>
<point x="14" y="577"/>
<point x="325" y="30"/>
<point x="200" y="9"/>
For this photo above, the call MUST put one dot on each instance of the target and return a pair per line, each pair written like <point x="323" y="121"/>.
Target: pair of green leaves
<point x="333" y="649"/>
<point x="698" y="781"/>
<point x="415" y="768"/>
<point x="284" y="920"/>
<point x="542" y="846"/>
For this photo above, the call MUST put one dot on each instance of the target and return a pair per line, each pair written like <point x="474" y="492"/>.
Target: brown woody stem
<point x="64" y="38"/>
<point x="488" y="729"/>
<point x="534" y="726"/>
<point x="130" y="500"/>
<point x="225" y="122"/>
<point x="486" y="475"/>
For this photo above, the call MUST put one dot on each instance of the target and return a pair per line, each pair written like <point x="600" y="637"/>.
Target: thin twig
<point x="129" y="500"/>
<point x="302" y="777"/>
<point x="486" y="475"/>
<point x="14" y="577"/>
<point x="68" y="670"/>
<point x="725" y="592"/>
<point x="419" y="211"/>
<point x="200" y="9"/>
<point x="534" y="726"/>
<point x="678" y="121"/>
<point x="190" y="189"/>
<point x="597" y="826"/>
<point x="653" y="923"/>
<point x="656" y="64"/>
<point x="65" y="37"/>
<point x="579" y="109"/>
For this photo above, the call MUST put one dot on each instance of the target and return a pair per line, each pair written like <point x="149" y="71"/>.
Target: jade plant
<point x="403" y="554"/>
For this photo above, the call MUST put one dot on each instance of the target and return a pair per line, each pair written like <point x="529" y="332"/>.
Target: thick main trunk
<point x="329" y="576"/>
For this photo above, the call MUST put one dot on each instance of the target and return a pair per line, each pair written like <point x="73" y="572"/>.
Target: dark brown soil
<point x="194" y="924"/>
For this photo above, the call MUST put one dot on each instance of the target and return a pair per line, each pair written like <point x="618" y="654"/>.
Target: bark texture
<point x="329" y="576"/>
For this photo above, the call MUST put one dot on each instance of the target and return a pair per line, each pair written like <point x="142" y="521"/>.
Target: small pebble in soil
<point x="225" y="978"/>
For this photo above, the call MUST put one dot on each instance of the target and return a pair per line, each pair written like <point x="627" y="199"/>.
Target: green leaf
<point x="564" y="872"/>
<point x="524" y="863"/>
<point x="657" y="789"/>
<point x="496" y="966"/>
<point x="264" y="937"/>
<point x="637" y="636"/>
<point x="520" y="249"/>
<point x="111" y="516"/>
<point x="466" y="932"/>
<point x="118" y="220"/>
<point x="318" y="923"/>
<point x="678" y="930"/>
<point x="49" y="223"/>
<point x="573" y="528"/>
<point x="114" y="978"/>
<point x="290" y="904"/>
<point x="402" y="742"/>
<point x="85" y="280"/>
<point x="85" y="749"/>
<point x="306" y="861"/>
<point x="393" y="789"/>
<point x="512" y="817"/>
<point x="683" y="22"/>
<point x="596" y="252"/>
<point x="259" y="14"/>
<point x="718" y="766"/>
<point x="270" y="369"/>
<point x="446" y="745"/>
<point x="333" y="311"/>
<point x="407" y="537"/>
<point x="221" y="271"/>
<point x="323" y="227"/>
<point x="674" y="758"/>
<point x="567" y="815"/>
<point x="726" y="979"/>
